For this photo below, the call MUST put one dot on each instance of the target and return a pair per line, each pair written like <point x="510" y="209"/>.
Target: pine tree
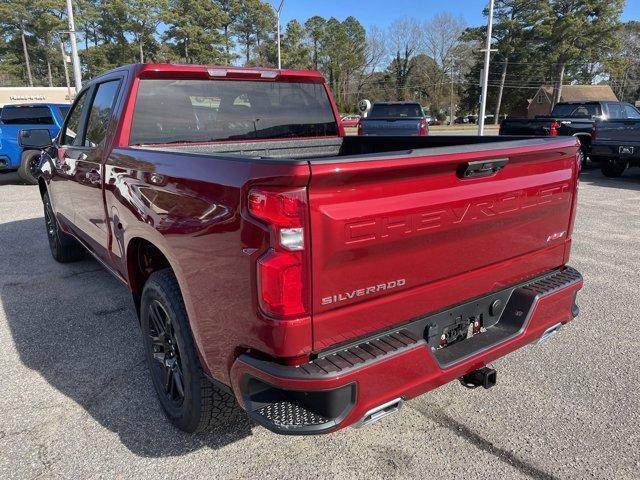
<point x="316" y="32"/>
<point x="194" y="31"/>
<point x="16" y="15"/>
<point x="143" y="18"/>
<point x="577" y="31"/>
<point x="295" y="53"/>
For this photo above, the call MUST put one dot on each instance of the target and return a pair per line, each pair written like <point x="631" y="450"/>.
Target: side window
<point x="72" y="129"/>
<point x="63" y="111"/>
<point x="100" y="113"/>
<point x="616" y="110"/>
<point x="631" y="112"/>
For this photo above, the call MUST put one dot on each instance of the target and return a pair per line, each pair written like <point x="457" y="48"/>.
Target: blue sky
<point x="383" y="12"/>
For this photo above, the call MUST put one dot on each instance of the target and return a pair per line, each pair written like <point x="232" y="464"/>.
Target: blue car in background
<point x="14" y="119"/>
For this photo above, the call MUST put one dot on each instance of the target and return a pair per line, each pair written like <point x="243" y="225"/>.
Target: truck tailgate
<point x="410" y="126"/>
<point x="622" y="130"/>
<point x="397" y="236"/>
<point x="525" y="127"/>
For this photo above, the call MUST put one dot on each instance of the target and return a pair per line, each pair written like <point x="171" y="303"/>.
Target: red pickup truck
<point x="316" y="279"/>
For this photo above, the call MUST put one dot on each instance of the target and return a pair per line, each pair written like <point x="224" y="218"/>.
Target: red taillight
<point x="282" y="283"/>
<point x="282" y="271"/>
<point x="281" y="208"/>
<point x="423" y="128"/>
<point x="360" y="127"/>
<point x="594" y="131"/>
<point x="553" y="130"/>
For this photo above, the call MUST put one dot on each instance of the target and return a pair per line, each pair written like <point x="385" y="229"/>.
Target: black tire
<point x="612" y="168"/>
<point x="584" y="150"/>
<point x="189" y="399"/>
<point x="64" y="248"/>
<point x="29" y="167"/>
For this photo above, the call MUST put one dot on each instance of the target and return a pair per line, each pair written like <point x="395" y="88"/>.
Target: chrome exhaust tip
<point x="380" y="412"/>
<point x="549" y="332"/>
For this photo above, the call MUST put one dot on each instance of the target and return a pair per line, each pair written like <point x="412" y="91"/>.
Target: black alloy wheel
<point x="64" y="248"/>
<point x="51" y="225"/>
<point x="187" y="396"/>
<point x="167" y="367"/>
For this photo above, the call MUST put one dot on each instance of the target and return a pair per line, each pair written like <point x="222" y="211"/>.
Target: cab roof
<point x="220" y="72"/>
<point x="33" y="105"/>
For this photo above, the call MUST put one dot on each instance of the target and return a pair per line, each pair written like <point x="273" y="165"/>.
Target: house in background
<point x="541" y="103"/>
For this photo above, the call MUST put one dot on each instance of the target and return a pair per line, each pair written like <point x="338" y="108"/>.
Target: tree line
<point x="115" y="32"/>
<point x="436" y="62"/>
<point x="553" y="42"/>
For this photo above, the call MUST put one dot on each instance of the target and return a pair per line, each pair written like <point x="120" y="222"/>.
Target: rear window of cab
<point x="182" y="111"/>
<point x="26" y="115"/>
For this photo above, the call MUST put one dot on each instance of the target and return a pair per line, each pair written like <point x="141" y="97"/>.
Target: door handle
<point x="482" y="168"/>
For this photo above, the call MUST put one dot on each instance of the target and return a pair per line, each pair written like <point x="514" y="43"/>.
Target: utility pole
<point x="66" y="70"/>
<point x="77" y="75"/>
<point x="485" y="79"/>
<point x="451" y="98"/>
<point x="278" y="10"/>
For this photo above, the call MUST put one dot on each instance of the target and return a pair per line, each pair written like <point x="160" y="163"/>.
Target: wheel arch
<point x="585" y="139"/>
<point x="143" y="257"/>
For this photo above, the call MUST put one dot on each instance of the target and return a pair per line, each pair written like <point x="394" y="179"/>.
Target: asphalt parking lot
<point x="76" y="400"/>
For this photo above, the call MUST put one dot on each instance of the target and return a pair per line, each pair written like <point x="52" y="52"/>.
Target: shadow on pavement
<point x="630" y="179"/>
<point x="76" y="326"/>
<point x="438" y="416"/>
<point x="11" y="178"/>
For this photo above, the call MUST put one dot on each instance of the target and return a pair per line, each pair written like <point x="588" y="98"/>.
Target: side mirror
<point x="36" y="138"/>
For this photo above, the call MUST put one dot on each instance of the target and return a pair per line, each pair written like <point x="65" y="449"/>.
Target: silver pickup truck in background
<point x="394" y="119"/>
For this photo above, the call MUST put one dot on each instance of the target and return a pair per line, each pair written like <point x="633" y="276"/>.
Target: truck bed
<point x="541" y="126"/>
<point x="404" y="214"/>
<point x="338" y="148"/>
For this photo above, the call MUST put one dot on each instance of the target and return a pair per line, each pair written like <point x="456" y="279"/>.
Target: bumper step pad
<point x="306" y="412"/>
<point x="361" y="354"/>
<point x="519" y="299"/>
<point x="554" y="282"/>
<point x="287" y="415"/>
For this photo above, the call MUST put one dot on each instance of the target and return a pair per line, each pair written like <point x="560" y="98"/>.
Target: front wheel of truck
<point x="64" y="248"/>
<point x="189" y="399"/>
<point x="29" y="167"/>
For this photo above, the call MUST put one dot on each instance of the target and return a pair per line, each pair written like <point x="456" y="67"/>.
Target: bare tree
<point x="624" y="68"/>
<point x="441" y="38"/>
<point x="442" y="42"/>
<point x="406" y="41"/>
<point x="374" y="57"/>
